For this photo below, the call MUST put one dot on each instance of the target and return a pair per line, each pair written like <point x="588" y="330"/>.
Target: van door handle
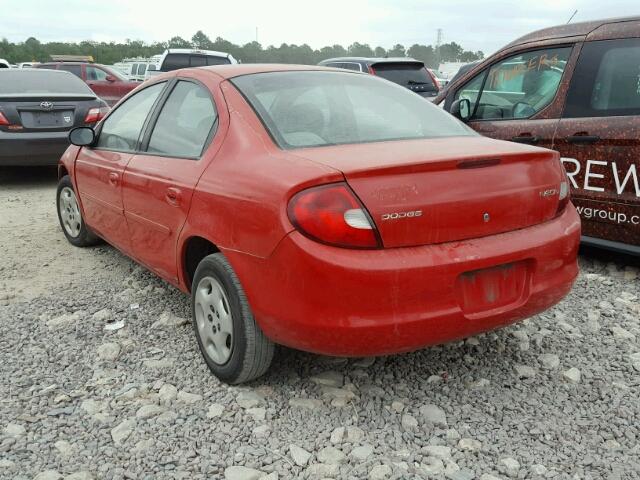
<point x="582" y="138"/>
<point x="173" y="196"/>
<point x="113" y="178"/>
<point x="526" y="139"/>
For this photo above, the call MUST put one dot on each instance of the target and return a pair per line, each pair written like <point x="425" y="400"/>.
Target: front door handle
<point x="524" y="138"/>
<point x="582" y="138"/>
<point x="173" y="196"/>
<point x="113" y="178"/>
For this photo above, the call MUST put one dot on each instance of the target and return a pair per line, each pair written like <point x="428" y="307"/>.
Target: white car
<point x="175" y="58"/>
<point x="4" y="63"/>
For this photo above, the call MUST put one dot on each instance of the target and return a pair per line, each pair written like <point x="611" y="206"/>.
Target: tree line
<point x="111" y="52"/>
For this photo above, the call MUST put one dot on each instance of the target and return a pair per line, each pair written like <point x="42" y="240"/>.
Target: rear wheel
<point x="232" y="344"/>
<point x="70" y="217"/>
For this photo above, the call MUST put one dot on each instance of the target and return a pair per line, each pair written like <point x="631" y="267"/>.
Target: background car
<point x="336" y="213"/>
<point x="175" y="58"/>
<point x="38" y="108"/>
<point x="107" y="83"/>
<point x="4" y="63"/>
<point x="404" y="71"/>
<point x="575" y="89"/>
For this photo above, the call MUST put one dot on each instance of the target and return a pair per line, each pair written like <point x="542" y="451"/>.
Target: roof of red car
<point x="230" y="71"/>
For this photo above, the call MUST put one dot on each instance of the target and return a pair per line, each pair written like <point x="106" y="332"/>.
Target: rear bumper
<point x="353" y="303"/>
<point x="30" y="149"/>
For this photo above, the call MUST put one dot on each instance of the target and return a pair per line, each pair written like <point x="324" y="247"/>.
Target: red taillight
<point x="96" y="114"/>
<point x="563" y="197"/>
<point x="434" y="79"/>
<point x="3" y="120"/>
<point x="332" y="214"/>
<point x="371" y="70"/>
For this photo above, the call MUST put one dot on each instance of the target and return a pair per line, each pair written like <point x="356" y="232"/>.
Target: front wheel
<point x="70" y="217"/>
<point x="232" y="344"/>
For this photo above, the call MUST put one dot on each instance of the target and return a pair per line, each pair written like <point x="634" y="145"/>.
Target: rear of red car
<point x="428" y="234"/>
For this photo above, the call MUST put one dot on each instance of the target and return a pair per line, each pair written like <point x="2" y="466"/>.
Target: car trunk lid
<point x="46" y="114"/>
<point x="442" y="190"/>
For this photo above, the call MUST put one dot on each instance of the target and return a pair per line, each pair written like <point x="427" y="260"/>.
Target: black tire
<point x="251" y="351"/>
<point x="84" y="236"/>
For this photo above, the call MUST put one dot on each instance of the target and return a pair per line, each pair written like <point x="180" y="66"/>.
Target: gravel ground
<point x="556" y="396"/>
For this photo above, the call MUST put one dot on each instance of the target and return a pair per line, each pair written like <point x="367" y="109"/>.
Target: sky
<point x="475" y="24"/>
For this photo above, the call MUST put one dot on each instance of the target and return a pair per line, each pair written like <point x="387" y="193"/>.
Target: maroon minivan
<point x="576" y="89"/>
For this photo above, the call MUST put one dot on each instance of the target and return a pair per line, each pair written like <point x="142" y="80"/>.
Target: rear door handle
<point x="173" y="196"/>
<point x="581" y="138"/>
<point x="113" y="178"/>
<point x="526" y="139"/>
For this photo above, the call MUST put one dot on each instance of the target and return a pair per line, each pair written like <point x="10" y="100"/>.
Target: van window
<point x="75" y="69"/>
<point x="174" y="61"/>
<point x="606" y="81"/>
<point x="517" y="87"/>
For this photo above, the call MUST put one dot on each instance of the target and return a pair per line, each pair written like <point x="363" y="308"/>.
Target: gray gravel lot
<point x="556" y="396"/>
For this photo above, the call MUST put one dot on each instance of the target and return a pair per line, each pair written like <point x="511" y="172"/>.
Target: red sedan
<point x="321" y="209"/>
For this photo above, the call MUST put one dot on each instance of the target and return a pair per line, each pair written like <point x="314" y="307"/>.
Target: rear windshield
<point x="42" y="81"/>
<point x="311" y="108"/>
<point x="405" y="74"/>
<point x="174" y="61"/>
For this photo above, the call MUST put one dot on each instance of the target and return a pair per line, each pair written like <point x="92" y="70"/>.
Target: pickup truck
<point x="175" y="58"/>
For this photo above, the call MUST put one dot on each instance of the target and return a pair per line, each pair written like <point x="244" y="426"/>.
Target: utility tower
<point x="438" y="43"/>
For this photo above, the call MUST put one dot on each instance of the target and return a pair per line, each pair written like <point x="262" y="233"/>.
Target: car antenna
<point x="571" y="17"/>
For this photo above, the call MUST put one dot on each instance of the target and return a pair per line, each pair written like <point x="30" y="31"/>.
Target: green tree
<point x="380" y="52"/>
<point x="397" y="51"/>
<point x="179" y="42"/>
<point x="360" y="50"/>
<point x="424" y="53"/>
<point x="201" y="41"/>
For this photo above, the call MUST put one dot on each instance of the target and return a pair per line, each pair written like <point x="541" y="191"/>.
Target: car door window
<point x="606" y="81"/>
<point x="75" y="69"/>
<point x="517" y="87"/>
<point x="185" y="122"/>
<point x="95" y="74"/>
<point x="121" y="130"/>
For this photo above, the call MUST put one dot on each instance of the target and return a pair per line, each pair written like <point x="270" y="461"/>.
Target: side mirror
<point x="82" y="136"/>
<point x="461" y="109"/>
<point x="110" y="78"/>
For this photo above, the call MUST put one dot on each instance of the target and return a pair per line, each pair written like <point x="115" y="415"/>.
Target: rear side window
<point x="185" y="122"/>
<point x="95" y="74"/>
<point x="174" y="61"/>
<point x="606" y="81"/>
<point x="75" y="69"/>
<point x="213" y="60"/>
<point x="406" y="74"/>
<point x="122" y="128"/>
<point x="517" y="87"/>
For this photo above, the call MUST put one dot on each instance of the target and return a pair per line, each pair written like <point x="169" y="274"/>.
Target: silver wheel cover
<point x="213" y="319"/>
<point x="69" y="212"/>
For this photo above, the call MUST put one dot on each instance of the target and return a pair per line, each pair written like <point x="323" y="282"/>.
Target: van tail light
<point x="563" y="197"/>
<point x="434" y="79"/>
<point x="3" y="120"/>
<point x="371" y="70"/>
<point x="94" y="115"/>
<point x="332" y="214"/>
